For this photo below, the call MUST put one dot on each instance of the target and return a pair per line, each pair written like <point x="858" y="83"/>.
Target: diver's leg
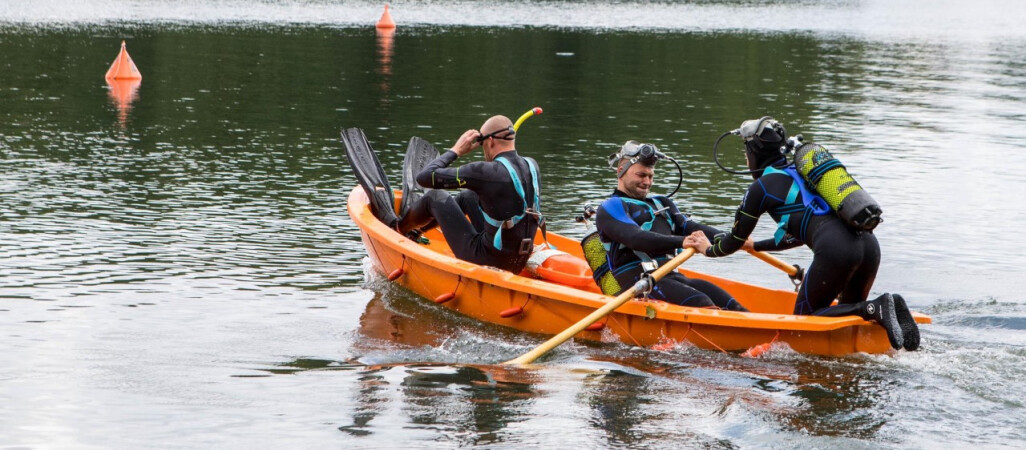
<point x="719" y="297"/>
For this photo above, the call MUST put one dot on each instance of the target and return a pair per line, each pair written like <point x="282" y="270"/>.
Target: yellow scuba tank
<point x="832" y="181"/>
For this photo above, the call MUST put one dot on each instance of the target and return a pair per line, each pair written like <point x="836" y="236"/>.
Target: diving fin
<point x="370" y="175"/>
<point x="418" y="155"/>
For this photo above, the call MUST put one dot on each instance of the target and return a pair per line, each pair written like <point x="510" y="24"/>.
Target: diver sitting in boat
<point x="500" y="196"/>
<point x="640" y="232"/>
<point x="845" y="260"/>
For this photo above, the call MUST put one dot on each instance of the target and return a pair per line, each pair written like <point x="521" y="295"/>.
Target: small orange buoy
<point x="386" y="21"/>
<point x="123" y="67"/>
<point x="507" y="313"/>
<point x="445" y="297"/>
<point x="395" y="274"/>
<point x="757" y="350"/>
<point x="595" y="326"/>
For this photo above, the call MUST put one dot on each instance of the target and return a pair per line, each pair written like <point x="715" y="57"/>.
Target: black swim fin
<point x="418" y="154"/>
<point x="370" y="175"/>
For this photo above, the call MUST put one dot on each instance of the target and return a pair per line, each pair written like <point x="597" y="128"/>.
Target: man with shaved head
<point x="499" y="195"/>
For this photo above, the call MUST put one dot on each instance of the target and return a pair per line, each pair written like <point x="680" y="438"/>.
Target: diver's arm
<point x="617" y="227"/>
<point x="745" y="219"/>
<point x="770" y="245"/>
<point x="438" y="175"/>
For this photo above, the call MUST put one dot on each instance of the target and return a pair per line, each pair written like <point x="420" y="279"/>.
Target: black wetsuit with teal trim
<point x="487" y="187"/>
<point x="627" y="227"/>
<point x="844" y="264"/>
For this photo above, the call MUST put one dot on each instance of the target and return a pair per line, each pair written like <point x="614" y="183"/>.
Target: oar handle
<point x="775" y="262"/>
<point x="534" y="111"/>
<point x="624" y="297"/>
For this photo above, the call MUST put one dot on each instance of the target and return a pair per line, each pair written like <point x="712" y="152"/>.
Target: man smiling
<point x="641" y="232"/>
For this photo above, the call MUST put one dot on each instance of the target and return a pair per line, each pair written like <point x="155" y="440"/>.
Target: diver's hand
<point x="697" y="241"/>
<point x="749" y="245"/>
<point x="466" y="143"/>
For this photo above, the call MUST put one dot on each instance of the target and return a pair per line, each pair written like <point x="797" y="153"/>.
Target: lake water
<point x="177" y="268"/>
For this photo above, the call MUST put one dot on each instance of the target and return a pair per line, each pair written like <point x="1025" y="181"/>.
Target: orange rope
<point x="690" y="329"/>
<point x="625" y="330"/>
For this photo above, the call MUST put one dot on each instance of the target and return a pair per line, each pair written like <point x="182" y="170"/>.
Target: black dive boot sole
<point x="882" y="311"/>
<point x="909" y="329"/>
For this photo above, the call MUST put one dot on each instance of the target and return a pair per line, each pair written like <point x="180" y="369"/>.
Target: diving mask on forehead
<point x="756" y="129"/>
<point x="646" y="154"/>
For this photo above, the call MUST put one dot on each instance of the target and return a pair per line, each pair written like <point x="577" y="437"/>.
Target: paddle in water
<point x="642" y="285"/>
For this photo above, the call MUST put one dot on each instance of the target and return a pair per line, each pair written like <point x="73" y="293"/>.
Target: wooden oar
<point x="641" y="285"/>
<point x="775" y="262"/>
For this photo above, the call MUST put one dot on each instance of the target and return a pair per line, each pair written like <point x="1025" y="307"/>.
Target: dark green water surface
<point x="178" y="269"/>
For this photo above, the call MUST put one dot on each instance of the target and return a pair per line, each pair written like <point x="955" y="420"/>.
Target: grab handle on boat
<point x="641" y="286"/>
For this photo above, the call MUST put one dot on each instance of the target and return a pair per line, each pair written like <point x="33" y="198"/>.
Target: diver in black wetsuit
<point x="500" y="195"/>
<point x="845" y="261"/>
<point x="641" y="232"/>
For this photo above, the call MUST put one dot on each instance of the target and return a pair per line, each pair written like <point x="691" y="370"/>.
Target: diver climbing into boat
<point x="500" y="195"/>
<point x="846" y="252"/>
<point x="640" y="232"/>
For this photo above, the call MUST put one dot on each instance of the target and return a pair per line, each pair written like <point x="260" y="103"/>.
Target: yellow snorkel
<point x="525" y="116"/>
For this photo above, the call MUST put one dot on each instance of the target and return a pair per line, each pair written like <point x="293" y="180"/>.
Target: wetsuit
<point x="488" y="189"/>
<point x="654" y="229"/>
<point x="844" y="264"/>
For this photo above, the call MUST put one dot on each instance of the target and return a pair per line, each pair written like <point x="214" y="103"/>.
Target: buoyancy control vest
<point x="812" y="204"/>
<point x="534" y="208"/>
<point x="599" y="254"/>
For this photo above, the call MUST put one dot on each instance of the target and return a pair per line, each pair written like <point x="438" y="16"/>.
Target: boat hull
<point x="543" y="307"/>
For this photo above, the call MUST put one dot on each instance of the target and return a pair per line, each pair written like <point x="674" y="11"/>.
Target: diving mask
<point x="646" y="154"/>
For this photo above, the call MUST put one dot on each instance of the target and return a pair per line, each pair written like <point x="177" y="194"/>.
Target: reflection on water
<point x="122" y="94"/>
<point x="177" y="255"/>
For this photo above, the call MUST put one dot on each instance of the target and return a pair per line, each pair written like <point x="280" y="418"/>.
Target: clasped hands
<point x="700" y="243"/>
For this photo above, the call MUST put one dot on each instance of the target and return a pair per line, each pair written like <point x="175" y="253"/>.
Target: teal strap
<point x="499" y="224"/>
<point x="647" y="226"/>
<point x="792" y="195"/>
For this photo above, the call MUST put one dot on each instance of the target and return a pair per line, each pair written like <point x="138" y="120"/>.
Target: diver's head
<point x="497" y="136"/>
<point x="635" y="168"/>
<point x="765" y="141"/>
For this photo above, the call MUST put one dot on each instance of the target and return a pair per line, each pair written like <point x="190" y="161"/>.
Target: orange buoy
<point x="445" y="297"/>
<point x="395" y="274"/>
<point x="507" y="313"/>
<point x="386" y="19"/>
<point x="757" y="350"/>
<point x="123" y="67"/>
<point x="595" y="326"/>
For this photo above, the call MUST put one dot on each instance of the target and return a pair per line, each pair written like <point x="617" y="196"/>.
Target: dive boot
<point x="882" y="312"/>
<point x="909" y="329"/>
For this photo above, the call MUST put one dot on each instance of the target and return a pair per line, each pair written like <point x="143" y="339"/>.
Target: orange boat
<point x="548" y="306"/>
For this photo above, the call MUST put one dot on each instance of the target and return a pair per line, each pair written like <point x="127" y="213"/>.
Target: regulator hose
<point x="716" y="157"/>
<point x="680" y="176"/>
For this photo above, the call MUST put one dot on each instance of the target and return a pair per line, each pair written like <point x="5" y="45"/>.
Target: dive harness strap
<point x="513" y="221"/>
<point x="648" y="264"/>
<point x="811" y="204"/>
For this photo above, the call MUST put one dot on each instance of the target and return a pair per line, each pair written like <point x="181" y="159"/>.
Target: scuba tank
<point x="831" y="180"/>
<point x="827" y="177"/>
